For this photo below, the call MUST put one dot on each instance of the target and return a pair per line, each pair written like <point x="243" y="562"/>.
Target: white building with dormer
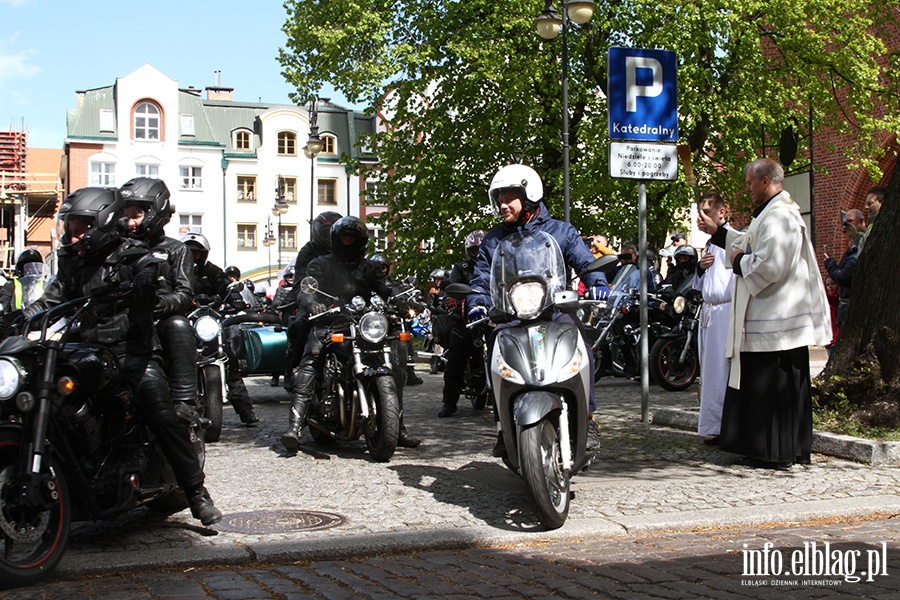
<point x="229" y="165"/>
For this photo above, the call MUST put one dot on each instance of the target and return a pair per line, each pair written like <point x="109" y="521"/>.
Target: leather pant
<point x="180" y="354"/>
<point x="146" y="377"/>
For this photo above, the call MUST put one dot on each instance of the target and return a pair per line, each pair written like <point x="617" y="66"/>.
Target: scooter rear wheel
<point x="547" y="483"/>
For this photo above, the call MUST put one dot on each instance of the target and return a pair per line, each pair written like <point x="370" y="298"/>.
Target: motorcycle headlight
<point x="679" y="305"/>
<point x="207" y="328"/>
<point x="373" y="327"/>
<point x="527" y="298"/>
<point x="12" y="373"/>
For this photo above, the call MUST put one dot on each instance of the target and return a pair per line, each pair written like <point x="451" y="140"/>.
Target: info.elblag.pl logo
<point x="813" y="562"/>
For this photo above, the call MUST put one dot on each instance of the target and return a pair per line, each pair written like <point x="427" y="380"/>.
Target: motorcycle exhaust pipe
<point x="320" y="427"/>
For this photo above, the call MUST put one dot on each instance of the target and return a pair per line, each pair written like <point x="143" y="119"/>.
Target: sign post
<point x="643" y="107"/>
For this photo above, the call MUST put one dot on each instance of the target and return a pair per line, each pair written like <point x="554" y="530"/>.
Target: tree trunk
<point x="864" y="368"/>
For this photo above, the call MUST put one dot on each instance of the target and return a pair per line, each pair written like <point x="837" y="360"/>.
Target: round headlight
<point x="11" y="375"/>
<point x="373" y="327"/>
<point x="527" y="298"/>
<point x="679" y="305"/>
<point x="207" y="328"/>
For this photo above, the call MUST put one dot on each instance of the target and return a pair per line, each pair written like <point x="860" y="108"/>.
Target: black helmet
<point x="233" y="272"/>
<point x="102" y="207"/>
<point x="196" y="242"/>
<point x="686" y="256"/>
<point x="473" y="241"/>
<point x="29" y="256"/>
<point x="357" y="236"/>
<point x="151" y="196"/>
<point x="288" y="274"/>
<point x="382" y="261"/>
<point x="320" y="229"/>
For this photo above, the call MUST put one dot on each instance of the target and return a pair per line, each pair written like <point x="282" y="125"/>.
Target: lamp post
<point x="268" y="241"/>
<point x="313" y="146"/>
<point x="280" y="208"/>
<point x="548" y="26"/>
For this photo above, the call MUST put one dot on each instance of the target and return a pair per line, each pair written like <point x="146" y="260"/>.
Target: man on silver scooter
<point x="516" y="194"/>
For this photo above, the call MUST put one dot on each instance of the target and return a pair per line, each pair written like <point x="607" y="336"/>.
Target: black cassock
<point x="770" y="417"/>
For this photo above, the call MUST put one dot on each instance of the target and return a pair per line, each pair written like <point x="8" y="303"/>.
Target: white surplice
<point x="717" y="287"/>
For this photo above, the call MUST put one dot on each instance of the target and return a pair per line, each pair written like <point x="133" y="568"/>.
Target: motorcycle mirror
<point x="309" y="285"/>
<point x="458" y="291"/>
<point x="605" y="264"/>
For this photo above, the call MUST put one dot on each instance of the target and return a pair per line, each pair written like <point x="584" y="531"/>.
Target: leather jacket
<point x="344" y="281"/>
<point x="179" y="296"/>
<point x="125" y="324"/>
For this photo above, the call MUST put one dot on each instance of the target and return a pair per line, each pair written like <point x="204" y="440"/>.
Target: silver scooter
<point x="539" y="370"/>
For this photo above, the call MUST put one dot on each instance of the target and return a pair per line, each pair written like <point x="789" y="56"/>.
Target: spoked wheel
<point x="383" y="427"/>
<point x="665" y="367"/>
<point x="547" y="483"/>
<point x="211" y="390"/>
<point x="32" y="537"/>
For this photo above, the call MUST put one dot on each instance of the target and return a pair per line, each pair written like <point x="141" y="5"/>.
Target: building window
<point x="290" y="190"/>
<point x="246" y="188"/>
<point x="371" y="197"/>
<point x="327" y="191"/>
<point x="103" y="174"/>
<point x="146" y="171"/>
<point x="287" y="143"/>
<point x="191" y="178"/>
<point x="330" y="146"/>
<point x="188" y="223"/>
<point x="287" y="237"/>
<point x="146" y="122"/>
<point x="246" y="236"/>
<point x="187" y="125"/>
<point x="107" y="120"/>
<point x="242" y="140"/>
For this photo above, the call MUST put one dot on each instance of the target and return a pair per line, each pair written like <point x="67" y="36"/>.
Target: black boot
<point x="435" y="359"/>
<point x="202" y="506"/>
<point x="303" y="382"/>
<point x="404" y="440"/>
<point x="412" y="378"/>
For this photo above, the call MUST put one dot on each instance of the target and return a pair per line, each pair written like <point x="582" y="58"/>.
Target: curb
<point x="868" y="452"/>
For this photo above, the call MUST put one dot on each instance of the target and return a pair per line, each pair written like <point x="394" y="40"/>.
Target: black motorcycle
<point x="73" y="444"/>
<point x="674" y="361"/>
<point x="357" y="392"/>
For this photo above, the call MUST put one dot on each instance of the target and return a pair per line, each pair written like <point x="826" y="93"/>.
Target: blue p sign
<point x="642" y="95"/>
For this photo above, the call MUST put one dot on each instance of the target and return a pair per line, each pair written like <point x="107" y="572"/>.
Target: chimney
<point x="219" y="93"/>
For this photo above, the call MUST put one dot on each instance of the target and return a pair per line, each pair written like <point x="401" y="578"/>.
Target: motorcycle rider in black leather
<point x="344" y="273"/>
<point x="461" y="342"/>
<point x="211" y="280"/>
<point x="319" y="244"/>
<point x="148" y="209"/>
<point x="95" y="261"/>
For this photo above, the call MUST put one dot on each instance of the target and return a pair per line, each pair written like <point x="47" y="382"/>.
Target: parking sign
<point x="643" y="99"/>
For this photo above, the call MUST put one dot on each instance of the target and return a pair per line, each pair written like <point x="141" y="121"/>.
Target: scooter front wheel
<point x="547" y="483"/>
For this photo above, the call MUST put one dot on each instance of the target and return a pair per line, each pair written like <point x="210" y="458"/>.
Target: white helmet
<point x="517" y="177"/>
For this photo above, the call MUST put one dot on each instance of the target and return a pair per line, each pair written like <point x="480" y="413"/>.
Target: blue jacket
<point x="575" y="252"/>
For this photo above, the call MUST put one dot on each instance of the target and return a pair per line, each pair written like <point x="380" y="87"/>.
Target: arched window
<point x="330" y="146"/>
<point x="147" y="122"/>
<point x="287" y="143"/>
<point x="242" y="140"/>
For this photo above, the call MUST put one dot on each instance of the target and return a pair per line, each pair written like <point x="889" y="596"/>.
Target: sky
<point x="49" y="49"/>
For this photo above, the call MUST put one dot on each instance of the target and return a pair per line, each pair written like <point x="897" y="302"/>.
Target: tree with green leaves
<point x="469" y="86"/>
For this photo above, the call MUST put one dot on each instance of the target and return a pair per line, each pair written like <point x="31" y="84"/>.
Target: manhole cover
<point x="279" y="521"/>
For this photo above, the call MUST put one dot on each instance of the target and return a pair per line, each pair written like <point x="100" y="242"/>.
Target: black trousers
<point x="770" y="417"/>
<point x="146" y="377"/>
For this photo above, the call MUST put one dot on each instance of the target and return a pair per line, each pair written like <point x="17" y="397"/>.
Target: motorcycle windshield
<point x="527" y="269"/>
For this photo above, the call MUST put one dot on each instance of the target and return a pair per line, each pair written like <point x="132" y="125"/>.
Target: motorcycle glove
<point x="599" y="292"/>
<point x="317" y="308"/>
<point x="476" y="313"/>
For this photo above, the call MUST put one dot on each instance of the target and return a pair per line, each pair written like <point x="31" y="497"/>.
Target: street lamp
<point x="314" y="145"/>
<point x="548" y="26"/>
<point x="280" y="208"/>
<point x="268" y="241"/>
